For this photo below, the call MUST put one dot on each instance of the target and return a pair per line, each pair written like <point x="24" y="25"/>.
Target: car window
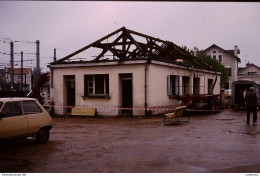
<point x="12" y="109"/>
<point x="1" y="103"/>
<point x="30" y="107"/>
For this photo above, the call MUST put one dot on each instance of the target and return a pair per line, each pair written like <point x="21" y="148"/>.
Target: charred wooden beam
<point x="106" y="48"/>
<point x="128" y="35"/>
<point x="90" y="45"/>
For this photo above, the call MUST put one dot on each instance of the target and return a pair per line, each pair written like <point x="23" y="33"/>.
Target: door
<point x="35" y="116"/>
<point x="13" y="123"/>
<point x="70" y="91"/>
<point x="127" y="93"/>
<point x="196" y="86"/>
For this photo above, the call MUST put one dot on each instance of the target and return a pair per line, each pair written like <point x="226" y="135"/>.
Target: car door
<point x="34" y="115"/>
<point x="12" y="122"/>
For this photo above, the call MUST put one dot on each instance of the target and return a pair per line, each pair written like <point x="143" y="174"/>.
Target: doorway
<point x="69" y="92"/>
<point x="210" y="86"/>
<point x="196" y="85"/>
<point x="126" y="93"/>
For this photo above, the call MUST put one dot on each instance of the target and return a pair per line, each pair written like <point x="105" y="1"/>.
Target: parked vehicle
<point x="24" y="117"/>
<point x="239" y="89"/>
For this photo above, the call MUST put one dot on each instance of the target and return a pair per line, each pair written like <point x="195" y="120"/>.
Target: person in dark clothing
<point x="251" y="105"/>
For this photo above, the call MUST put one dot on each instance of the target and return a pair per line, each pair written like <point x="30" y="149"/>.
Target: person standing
<point x="251" y="105"/>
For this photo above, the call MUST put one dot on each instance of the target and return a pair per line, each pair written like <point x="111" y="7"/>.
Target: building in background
<point x="250" y="72"/>
<point x="228" y="58"/>
<point x="21" y="81"/>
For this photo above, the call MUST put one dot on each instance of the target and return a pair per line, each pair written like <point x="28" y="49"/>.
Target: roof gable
<point x="249" y="67"/>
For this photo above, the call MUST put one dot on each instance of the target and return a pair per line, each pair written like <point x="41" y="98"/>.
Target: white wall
<point x="114" y="86"/>
<point x="156" y="86"/>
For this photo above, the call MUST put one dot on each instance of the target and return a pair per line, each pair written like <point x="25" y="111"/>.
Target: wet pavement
<point x="213" y="143"/>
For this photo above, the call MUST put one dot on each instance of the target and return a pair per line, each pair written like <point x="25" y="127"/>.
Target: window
<point x="228" y="71"/>
<point x="210" y="86"/>
<point x="12" y="109"/>
<point x="252" y="73"/>
<point x="186" y="84"/>
<point x="96" y="85"/>
<point x="173" y="85"/>
<point x="30" y="107"/>
<point x="220" y="58"/>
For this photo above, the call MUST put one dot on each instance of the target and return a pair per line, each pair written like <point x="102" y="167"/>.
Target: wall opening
<point x="196" y="85"/>
<point x="186" y="85"/>
<point x="210" y="86"/>
<point x="126" y="92"/>
<point x="69" y="92"/>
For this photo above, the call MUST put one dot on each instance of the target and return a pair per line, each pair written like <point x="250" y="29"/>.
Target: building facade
<point x="131" y="84"/>
<point x="228" y="58"/>
<point x="144" y="75"/>
<point x="250" y="72"/>
<point x="21" y="81"/>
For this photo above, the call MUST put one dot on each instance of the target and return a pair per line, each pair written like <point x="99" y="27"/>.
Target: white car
<point x="24" y="117"/>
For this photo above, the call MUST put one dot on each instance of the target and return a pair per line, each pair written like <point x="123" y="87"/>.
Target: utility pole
<point x="21" y="71"/>
<point x="37" y="59"/>
<point x="12" y="64"/>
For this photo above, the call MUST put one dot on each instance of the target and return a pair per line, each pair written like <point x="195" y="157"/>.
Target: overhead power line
<point x="24" y="42"/>
<point x="25" y="53"/>
<point x="4" y="42"/>
<point x="4" y="53"/>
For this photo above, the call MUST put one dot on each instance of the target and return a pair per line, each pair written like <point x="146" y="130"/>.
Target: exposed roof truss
<point x="125" y="44"/>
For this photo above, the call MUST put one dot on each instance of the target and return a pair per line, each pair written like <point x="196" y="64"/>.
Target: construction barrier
<point x="112" y="108"/>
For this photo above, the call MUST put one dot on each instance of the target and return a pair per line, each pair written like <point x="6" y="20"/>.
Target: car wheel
<point x="43" y="136"/>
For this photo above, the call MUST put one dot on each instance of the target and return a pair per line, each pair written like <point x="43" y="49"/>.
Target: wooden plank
<point x="84" y="111"/>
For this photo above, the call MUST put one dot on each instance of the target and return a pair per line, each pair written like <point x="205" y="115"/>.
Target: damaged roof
<point x="125" y="44"/>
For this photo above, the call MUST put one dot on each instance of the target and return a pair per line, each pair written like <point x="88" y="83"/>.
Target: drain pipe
<point x="145" y="89"/>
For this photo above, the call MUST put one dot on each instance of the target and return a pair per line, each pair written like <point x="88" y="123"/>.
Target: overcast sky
<point x="69" y="26"/>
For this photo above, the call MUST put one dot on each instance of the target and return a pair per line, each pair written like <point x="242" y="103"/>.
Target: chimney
<point x="236" y="50"/>
<point x="195" y="51"/>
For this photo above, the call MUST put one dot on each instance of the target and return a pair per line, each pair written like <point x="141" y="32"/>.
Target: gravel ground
<point x="212" y="143"/>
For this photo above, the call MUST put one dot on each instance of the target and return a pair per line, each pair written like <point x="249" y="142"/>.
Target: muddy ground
<point x="208" y="143"/>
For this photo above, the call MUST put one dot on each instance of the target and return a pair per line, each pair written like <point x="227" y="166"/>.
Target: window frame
<point x="90" y="85"/>
<point x="228" y="71"/>
<point x="173" y="82"/>
<point x="9" y="102"/>
<point x="25" y="113"/>
<point x="220" y="58"/>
